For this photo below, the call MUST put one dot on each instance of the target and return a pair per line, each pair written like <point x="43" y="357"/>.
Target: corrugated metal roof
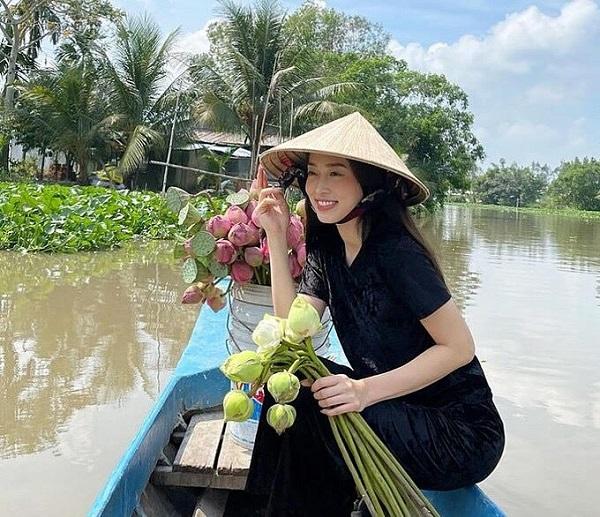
<point x="237" y="139"/>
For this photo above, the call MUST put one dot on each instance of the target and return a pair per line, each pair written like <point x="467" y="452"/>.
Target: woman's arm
<point x="282" y="283"/>
<point x="454" y="348"/>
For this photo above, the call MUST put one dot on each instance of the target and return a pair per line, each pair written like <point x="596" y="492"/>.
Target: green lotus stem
<point x="360" y="452"/>
<point x="404" y="480"/>
<point x="393" y="464"/>
<point x="393" y="483"/>
<point x="357" y="480"/>
<point x="361" y="467"/>
<point x="296" y="364"/>
<point x="408" y="506"/>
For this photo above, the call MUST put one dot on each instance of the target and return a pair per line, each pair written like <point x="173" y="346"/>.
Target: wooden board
<point x="207" y="457"/>
<point x="232" y="466"/>
<point x="199" y="448"/>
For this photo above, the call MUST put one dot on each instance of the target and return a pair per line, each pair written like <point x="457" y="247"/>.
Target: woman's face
<point x="332" y="187"/>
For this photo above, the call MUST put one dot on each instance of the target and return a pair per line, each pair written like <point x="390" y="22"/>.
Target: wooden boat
<point x="183" y="462"/>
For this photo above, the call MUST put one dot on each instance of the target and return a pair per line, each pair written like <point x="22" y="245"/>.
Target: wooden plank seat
<point x="207" y="457"/>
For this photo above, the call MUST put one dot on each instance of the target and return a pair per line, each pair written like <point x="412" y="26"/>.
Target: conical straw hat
<point x="351" y="137"/>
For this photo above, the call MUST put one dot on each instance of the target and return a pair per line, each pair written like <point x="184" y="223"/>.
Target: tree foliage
<point x="577" y="185"/>
<point x="141" y="98"/>
<point x="510" y="185"/>
<point x="61" y="109"/>
<point x="423" y="116"/>
<point x="256" y="77"/>
<point x="324" y="29"/>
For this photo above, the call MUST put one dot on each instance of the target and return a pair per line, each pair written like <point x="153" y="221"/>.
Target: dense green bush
<point x="577" y="185"/>
<point x="25" y="170"/>
<point x="67" y="219"/>
<point x="511" y="185"/>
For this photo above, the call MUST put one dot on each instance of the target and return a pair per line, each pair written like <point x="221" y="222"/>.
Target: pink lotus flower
<point x="218" y="226"/>
<point x="193" y="294"/>
<point x="254" y="238"/>
<point x="250" y="207"/>
<point x="301" y="254"/>
<point x="216" y="303"/>
<point x="253" y="256"/>
<point x="240" y="235"/>
<point x="225" y="252"/>
<point x="241" y="272"/>
<point x="295" y="232"/>
<point x="264" y="247"/>
<point x="294" y="266"/>
<point x="235" y="215"/>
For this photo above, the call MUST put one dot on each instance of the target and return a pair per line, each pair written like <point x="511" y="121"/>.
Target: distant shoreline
<point x="568" y="212"/>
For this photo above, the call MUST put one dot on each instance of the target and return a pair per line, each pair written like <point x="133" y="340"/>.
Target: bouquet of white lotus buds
<point x="284" y="348"/>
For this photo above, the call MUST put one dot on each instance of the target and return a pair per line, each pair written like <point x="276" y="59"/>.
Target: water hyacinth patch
<point x="57" y="218"/>
<point x="380" y="480"/>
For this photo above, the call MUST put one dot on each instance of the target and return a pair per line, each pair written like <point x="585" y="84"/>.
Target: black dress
<point x="447" y="435"/>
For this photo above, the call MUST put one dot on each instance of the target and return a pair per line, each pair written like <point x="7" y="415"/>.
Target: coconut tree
<point x="257" y="76"/>
<point x="142" y="96"/>
<point x="65" y="109"/>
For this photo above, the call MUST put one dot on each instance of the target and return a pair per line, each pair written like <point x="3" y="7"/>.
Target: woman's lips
<point x="323" y="206"/>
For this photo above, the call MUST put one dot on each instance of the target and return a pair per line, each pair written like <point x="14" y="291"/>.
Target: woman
<point x="414" y="375"/>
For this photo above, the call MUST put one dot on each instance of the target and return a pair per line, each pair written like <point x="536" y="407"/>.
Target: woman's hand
<point x="273" y="212"/>
<point x="338" y="394"/>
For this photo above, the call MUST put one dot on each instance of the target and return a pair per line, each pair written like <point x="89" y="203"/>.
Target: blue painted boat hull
<point x="196" y="384"/>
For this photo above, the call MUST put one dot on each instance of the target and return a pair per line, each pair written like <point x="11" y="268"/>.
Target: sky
<point x="531" y="69"/>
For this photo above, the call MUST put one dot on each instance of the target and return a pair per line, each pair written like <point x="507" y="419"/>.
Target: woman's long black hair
<point x="392" y="213"/>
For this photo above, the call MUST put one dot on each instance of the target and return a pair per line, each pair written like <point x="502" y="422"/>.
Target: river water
<point x="87" y="342"/>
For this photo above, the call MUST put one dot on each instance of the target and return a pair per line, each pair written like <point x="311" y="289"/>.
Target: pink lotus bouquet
<point x="227" y="240"/>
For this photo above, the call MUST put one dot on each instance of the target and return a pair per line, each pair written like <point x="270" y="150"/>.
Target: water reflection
<point x="83" y="330"/>
<point x="536" y="322"/>
<point x="451" y="235"/>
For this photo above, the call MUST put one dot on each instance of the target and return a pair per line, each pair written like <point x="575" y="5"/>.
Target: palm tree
<point x="64" y="109"/>
<point x="142" y="97"/>
<point x="257" y="76"/>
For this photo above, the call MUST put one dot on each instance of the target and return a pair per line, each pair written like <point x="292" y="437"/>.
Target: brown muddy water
<point x="87" y="341"/>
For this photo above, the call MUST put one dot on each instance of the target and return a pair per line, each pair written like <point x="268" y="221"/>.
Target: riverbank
<point x="567" y="212"/>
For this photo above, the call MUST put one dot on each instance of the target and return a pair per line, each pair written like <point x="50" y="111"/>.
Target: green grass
<point x="57" y="218"/>
<point x="567" y="212"/>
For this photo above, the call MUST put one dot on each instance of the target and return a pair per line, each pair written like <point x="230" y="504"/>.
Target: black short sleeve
<point x="312" y="281"/>
<point x="414" y="279"/>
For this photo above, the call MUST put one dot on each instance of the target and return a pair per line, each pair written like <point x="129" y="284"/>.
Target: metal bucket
<point x="248" y="304"/>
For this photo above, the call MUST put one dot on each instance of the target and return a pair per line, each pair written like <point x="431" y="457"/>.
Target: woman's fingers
<point x="330" y="380"/>
<point x="339" y="410"/>
<point x="336" y="400"/>
<point x="270" y="192"/>
<point x="324" y="393"/>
